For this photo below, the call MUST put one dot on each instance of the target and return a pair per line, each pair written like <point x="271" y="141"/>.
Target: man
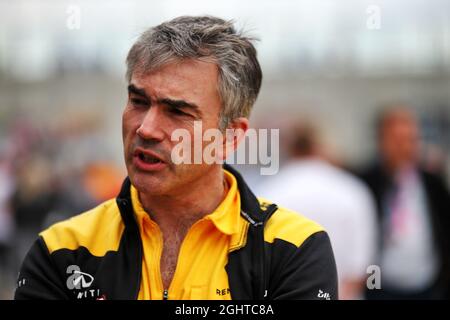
<point x="414" y="214"/>
<point x="185" y="231"/>
<point x="311" y="185"/>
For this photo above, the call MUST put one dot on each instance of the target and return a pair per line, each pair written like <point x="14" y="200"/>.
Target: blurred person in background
<point x="40" y="187"/>
<point x="33" y="198"/>
<point x="310" y="184"/>
<point x="413" y="213"/>
<point x="6" y="221"/>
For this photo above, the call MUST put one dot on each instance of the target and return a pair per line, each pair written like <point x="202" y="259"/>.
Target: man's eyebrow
<point x="141" y="92"/>
<point x="181" y="104"/>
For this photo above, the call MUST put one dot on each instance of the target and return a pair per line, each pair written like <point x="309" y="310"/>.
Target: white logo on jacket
<point x="323" y="295"/>
<point x="78" y="279"/>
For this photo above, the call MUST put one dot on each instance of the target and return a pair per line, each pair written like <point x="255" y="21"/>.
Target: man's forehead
<point x="186" y="69"/>
<point x="190" y="79"/>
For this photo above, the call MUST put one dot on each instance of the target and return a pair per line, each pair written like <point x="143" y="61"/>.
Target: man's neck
<point x="186" y="207"/>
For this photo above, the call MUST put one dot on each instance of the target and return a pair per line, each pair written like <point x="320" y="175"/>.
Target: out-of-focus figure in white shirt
<point x="309" y="184"/>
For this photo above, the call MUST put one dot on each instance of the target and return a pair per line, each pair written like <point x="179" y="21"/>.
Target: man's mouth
<point x="148" y="158"/>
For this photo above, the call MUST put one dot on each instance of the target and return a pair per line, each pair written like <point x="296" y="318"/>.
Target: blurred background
<point x="331" y="67"/>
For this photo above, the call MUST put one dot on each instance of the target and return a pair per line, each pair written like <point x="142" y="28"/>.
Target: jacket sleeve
<point x="38" y="277"/>
<point x="307" y="272"/>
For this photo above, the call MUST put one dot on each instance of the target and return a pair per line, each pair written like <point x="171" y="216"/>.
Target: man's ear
<point x="233" y="135"/>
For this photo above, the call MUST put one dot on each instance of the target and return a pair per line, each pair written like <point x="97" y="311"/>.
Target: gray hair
<point x="210" y="39"/>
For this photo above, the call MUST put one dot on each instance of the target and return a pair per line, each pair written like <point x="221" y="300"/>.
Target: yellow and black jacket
<point x="246" y="249"/>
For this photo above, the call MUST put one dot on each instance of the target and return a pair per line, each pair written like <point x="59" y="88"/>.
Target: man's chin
<point x="148" y="184"/>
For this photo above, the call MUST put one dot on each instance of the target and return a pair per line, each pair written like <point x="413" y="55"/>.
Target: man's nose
<point x="152" y="124"/>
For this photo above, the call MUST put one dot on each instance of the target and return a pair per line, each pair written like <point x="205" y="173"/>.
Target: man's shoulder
<point x="289" y="226"/>
<point x="98" y="230"/>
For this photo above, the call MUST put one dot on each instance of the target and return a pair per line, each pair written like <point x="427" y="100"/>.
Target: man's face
<point x="170" y="98"/>
<point x="400" y="141"/>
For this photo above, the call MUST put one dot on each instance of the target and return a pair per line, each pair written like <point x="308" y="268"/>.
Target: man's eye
<point x="138" y="102"/>
<point x="178" y="112"/>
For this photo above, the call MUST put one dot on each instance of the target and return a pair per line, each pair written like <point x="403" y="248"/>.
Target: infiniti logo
<point x="78" y="279"/>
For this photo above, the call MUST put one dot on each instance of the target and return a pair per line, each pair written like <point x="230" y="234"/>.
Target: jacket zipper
<point x="262" y="279"/>
<point x="165" y="294"/>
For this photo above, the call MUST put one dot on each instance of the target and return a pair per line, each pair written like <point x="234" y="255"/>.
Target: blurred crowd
<point x="47" y="175"/>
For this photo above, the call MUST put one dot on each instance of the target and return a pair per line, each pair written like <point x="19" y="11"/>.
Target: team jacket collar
<point x="251" y="209"/>
<point x="249" y="205"/>
<point x="226" y="217"/>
